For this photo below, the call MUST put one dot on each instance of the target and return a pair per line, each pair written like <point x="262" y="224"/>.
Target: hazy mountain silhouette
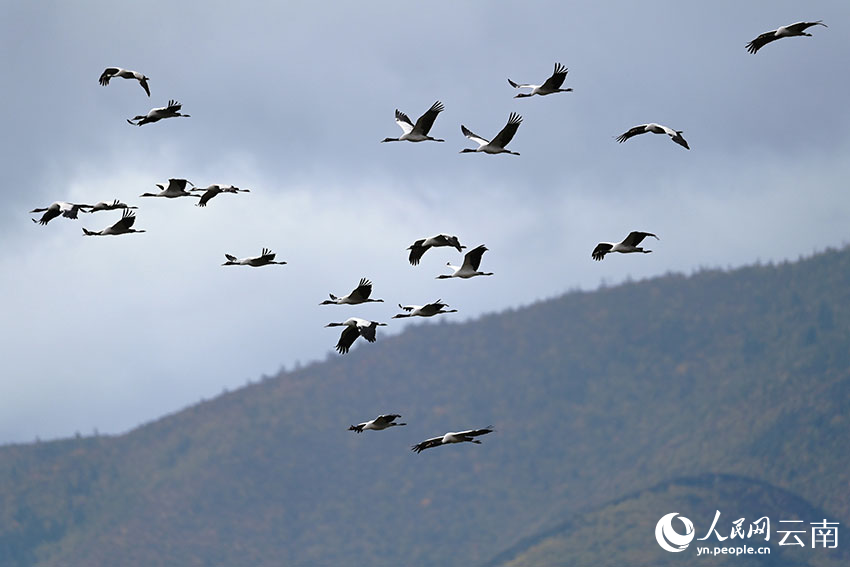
<point x="594" y="397"/>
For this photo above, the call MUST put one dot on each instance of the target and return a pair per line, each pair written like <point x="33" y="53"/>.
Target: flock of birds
<point x="356" y="327"/>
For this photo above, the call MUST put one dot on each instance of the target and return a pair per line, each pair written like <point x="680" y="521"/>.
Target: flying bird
<point x="552" y="84"/>
<point x="378" y="424"/>
<point x="497" y="146"/>
<point x="215" y="189"/>
<point x="123" y="226"/>
<point x="798" y="29"/>
<point x="360" y="295"/>
<point x="176" y="188"/>
<point x="417" y="132"/>
<point x="452" y="437"/>
<point x="67" y="210"/>
<point x="628" y="245"/>
<point x="157" y="114"/>
<point x="428" y="310"/>
<point x="111" y="72"/>
<point x="471" y="261"/>
<point x="675" y="135"/>
<point x="418" y="248"/>
<point x="107" y="206"/>
<point x="355" y="327"/>
<point x="264" y="259"/>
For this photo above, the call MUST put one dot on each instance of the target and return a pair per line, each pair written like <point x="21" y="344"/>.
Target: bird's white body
<point x="792" y="30"/>
<point x="497" y="145"/>
<point x="469" y="269"/>
<point x="429" y="310"/>
<point x="176" y="188"/>
<point x="378" y="424"/>
<point x="264" y="259"/>
<point x="551" y="86"/>
<point x="123" y="226"/>
<point x="106" y="206"/>
<point x="418" y="248"/>
<point x="359" y="295"/>
<point x="675" y="135"/>
<point x="417" y="132"/>
<point x="157" y="114"/>
<point x="216" y="189"/>
<point x="111" y="72"/>
<point x="452" y="437"/>
<point x="67" y="210"/>
<point x="355" y="327"/>
<point x="628" y="245"/>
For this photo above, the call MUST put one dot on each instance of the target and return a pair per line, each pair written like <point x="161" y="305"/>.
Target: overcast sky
<point x="290" y="100"/>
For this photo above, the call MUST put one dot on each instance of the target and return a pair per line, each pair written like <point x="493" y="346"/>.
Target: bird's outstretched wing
<point x="416" y="252"/>
<point x="346" y="339"/>
<point x="476" y="432"/>
<point x="803" y="26"/>
<point x="472" y="258"/>
<point x="601" y="249"/>
<point x="107" y="74"/>
<point x="423" y="125"/>
<point x="632" y="132"/>
<point x="363" y="290"/>
<point x="368" y="333"/>
<point x="677" y="137"/>
<point x="761" y="41"/>
<point x="473" y="136"/>
<point x="427" y="444"/>
<point x="636" y="237"/>
<point x="126" y="222"/>
<point x="557" y="79"/>
<point x="386" y="419"/>
<point x="403" y="121"/>
<point x="504" y="137"/>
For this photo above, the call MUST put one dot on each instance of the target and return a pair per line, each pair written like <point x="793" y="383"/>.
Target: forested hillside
<point x="595" y="397"/>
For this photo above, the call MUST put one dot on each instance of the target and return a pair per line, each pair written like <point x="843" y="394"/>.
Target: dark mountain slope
<point x="593" y="396"/>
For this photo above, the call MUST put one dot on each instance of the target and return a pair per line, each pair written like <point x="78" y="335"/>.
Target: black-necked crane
<point x="123" y="226"/>
<point x="675" y="135"/>
<point x="418" y="248"/>
<point x="497" y="146"/>
<point x="793" y="30"/>
<point x="628" y="245"/>
<point x="107" y="206"/>
<point x="111" y="72"/>
<point x="552" y="84"/>
<point x="452" y="437"/>
<point x="429" y="310"/>
<point x="176" y="188"/>
<point x="157" y="114"/>
<point x="378" y="424"/>
<point x="264" y="259"/>
<point x="355" y="327"/>
<point x="417" y="132"/>
<point x="215" y="189"/>
<point x="360" y="295"/>
<point x="471" y="261"/>
<point x="67" y="210"/>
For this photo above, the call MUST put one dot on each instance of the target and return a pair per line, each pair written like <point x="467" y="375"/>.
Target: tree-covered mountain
<point x="595" y="397"/>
